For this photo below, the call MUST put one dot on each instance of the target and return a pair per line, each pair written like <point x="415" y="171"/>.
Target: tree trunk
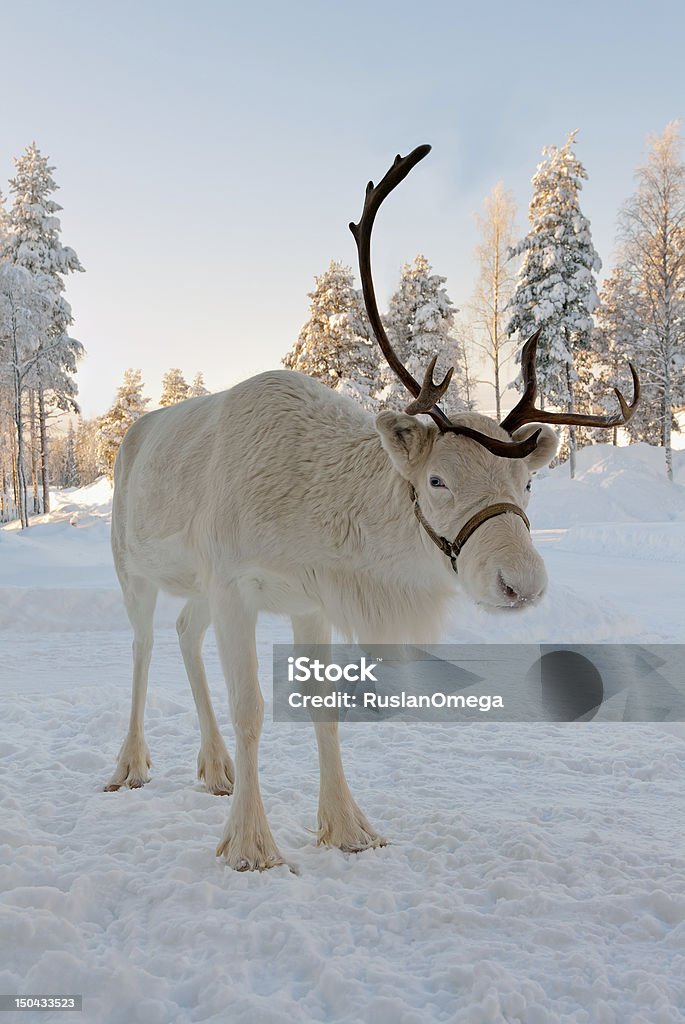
<point x="15" y="475"/>
<point x="19" y="425"/>
<point x="467" y="376"/>
<point x="497" y="388"/>
<point x="572" y="449"/>
<point x="571" y="428"/>
<point x="666" y="432"/>
<point x="43" y="449"/>
<point x="667" y="346"/>
<point x="32" y="442"/>
<point x="495" y="327"/>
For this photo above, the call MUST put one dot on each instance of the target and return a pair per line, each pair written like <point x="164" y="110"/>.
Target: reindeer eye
<point x="437" y="481"/>
<point x="529" y="485"/>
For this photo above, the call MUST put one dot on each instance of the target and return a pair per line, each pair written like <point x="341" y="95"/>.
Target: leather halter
<point x="453" y="548"/>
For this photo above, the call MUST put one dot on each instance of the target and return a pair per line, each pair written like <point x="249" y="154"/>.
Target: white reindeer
<point x="282" y="496"/>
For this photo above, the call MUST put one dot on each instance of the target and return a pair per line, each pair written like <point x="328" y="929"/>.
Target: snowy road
<point x="536" y="873"/>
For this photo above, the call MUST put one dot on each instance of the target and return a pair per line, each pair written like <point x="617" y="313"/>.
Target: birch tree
<point x="24" y="314"/>
<point x="69" y="473"/>
<point x="88" y="465"/>
<point x="615" y="342"/>
<point x="653" y="257"/>
<point x="465" y="358"/>
<point x="495" y="286"/>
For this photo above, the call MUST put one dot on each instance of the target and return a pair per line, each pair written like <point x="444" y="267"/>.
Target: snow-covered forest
<point x="43" y="440"/>
<point x="547" y="278"/>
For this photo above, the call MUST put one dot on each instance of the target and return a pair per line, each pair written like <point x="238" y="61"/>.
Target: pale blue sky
<point x="211" y="155"/>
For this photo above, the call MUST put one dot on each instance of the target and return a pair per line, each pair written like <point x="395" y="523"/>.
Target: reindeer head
<point x="470" y="474"/>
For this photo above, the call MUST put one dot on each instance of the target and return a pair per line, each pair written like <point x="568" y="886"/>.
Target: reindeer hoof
<point x="349" y="831"/>
<point x="132" y="783"/>
<point x="249" y="851"/>
<point x="132" y="766"/>
<point x="217" y="772"/>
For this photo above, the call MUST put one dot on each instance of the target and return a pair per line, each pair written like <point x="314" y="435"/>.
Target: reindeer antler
<point x="375" y="194"/>
<point x="525" y="411"/>
<point x="429" y="394"/>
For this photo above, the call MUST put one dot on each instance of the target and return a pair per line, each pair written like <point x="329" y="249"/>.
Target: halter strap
<point x="453" y="549"/>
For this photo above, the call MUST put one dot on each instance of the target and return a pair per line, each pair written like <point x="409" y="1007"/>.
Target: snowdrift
<point x="612" y="485"/>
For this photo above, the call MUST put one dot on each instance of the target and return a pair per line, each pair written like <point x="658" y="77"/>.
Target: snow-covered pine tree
<point x="334" y="345"/>
<point x="420" y="325"/>
<point x="128" y="406"/>
<point x="34" y="243"/>
<point x="556" y="287"/>
<point x="175" y="388"/>
<point x="197" y="388"/>
<point x="653" y="258"/>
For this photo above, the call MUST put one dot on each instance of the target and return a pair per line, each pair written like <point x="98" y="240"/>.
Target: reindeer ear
<point x="547" y="446"/>
<point x="405" y="439"/>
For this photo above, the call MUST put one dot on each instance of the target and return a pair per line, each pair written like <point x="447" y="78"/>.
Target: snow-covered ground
<point x="536" y="873"/>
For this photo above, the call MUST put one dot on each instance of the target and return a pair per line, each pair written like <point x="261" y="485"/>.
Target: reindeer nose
<point x="517" y="593"/>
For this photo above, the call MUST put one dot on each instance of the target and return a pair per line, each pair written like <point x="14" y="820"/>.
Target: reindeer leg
<point x="341" y="822"/>
<point x="214" y="763"/>
<point x="247" y="842"/>
<point x="140" y="597"/>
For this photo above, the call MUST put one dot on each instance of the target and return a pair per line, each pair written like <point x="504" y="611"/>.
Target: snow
<point x="536" y="873"/>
